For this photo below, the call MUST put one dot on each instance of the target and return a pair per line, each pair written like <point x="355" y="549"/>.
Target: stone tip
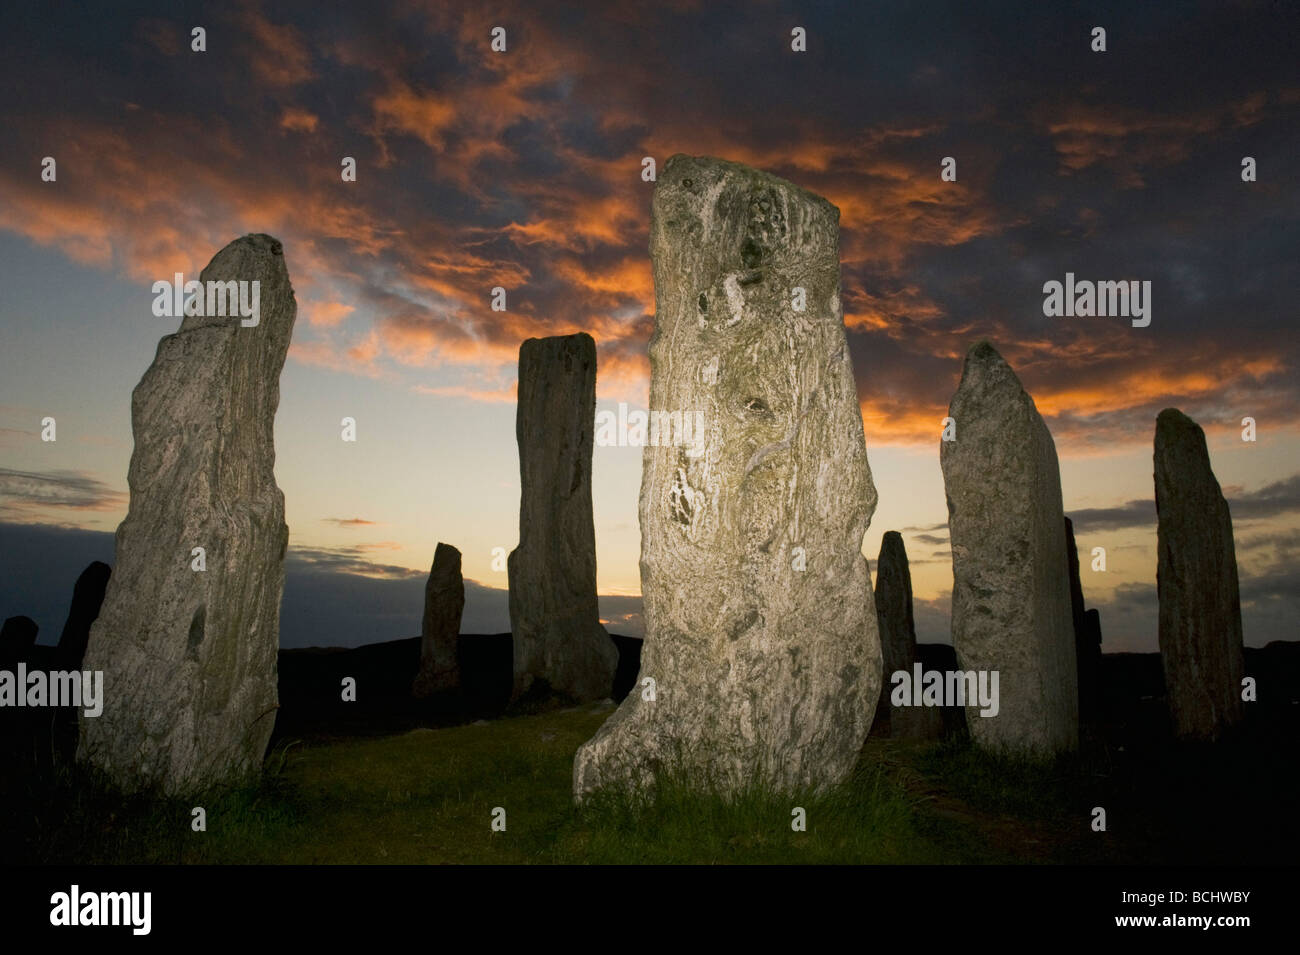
<point x="581" y="338"/>
<point x="447" y="549"/>
<point x="891" y="547"/>
<point x="984" y="352"/>
<point x="985" y="365"/>
<point x="1172" y="426"/>
<point x="680" y="169"/>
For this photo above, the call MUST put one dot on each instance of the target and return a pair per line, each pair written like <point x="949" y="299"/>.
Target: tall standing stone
<point x="898" y="640"/>
<point x="444" y="602"/>
<point x="761" y="646"/>
<point x="1087" y="634"/>
<point x="87" y="598"/>
<point x="1011" y="588"/>
<point x="1196" y="579"/>
<point x="553" y="610"/>
<point x="188" y="654"/>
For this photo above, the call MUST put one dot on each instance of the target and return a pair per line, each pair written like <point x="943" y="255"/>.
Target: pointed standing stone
<point x="189" y="655"/>
<point x="444" y="602"/>
<point x="1087" y="633"/>
<point x="553" y="611"/>
<point x="761" y="643"/>
<point x="898" y="640"/>
<point x="87" y="598"/>
<point x="1011" y="587"/>
<point x="1196" y="579"/>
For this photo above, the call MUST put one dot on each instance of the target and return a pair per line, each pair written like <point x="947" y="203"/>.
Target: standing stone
<point x="189" y="655"/>
<point x="761" y="636"/>
<point x="553" y="612"/>
<point x="17" y="637"/>
<point x="87" y="598"/>
<point x="1011" y="587"/>
<point x="444" y="602"/>
<point x="898" y="640"/>
<point x="1087" y="633"/>
<point x="1196" y="579"/>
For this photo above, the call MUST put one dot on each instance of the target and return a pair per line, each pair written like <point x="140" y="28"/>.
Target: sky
<point x="522" y="169"/>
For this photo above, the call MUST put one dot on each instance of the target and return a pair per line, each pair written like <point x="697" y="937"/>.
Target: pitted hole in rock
<point x="751" y="253"/>
<point x="703" y="302"/>
<point x="741" y="627"/>
<point x="197" y="624"/>
<point x="757" y="405"/>
<point x="680" y="505"/>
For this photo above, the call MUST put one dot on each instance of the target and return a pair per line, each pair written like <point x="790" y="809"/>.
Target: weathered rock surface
<point x="898" y="640"/>
<point x="553" y="611"/>
<point x="1196" y="579"/>
<point x="760" y="621"/>
<point x="1087" y="634"/>
<point x="87" y="598"/>
<point x="189" y="656"/>
<point x="1011" y="588"/>
<point x="444" y="602"/>
<point x="17" y="637"/>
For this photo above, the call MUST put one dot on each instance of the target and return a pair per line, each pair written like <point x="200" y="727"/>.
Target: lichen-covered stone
<point x="761" y="636"/>
<point x="444" y="602"/>
<point x="189" y="656"/>
<point x="1011" y="589"/>
<point x="554" y="615"/>
<point x="1196" y="579"/>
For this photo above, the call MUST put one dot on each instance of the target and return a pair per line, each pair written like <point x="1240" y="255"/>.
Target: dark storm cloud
<point x="522" y="169"/>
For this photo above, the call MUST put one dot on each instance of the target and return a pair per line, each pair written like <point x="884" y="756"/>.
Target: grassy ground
<point x="428" y="796"/>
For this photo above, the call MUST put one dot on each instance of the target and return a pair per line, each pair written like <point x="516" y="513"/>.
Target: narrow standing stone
<point x="444" y="602"/>
<point x="898" y="640"/>
<point x="1011" y="588"/>
<point x="1196" y="579"/>
<point x="761" y="662"/>
<point x="1087" y="634"/>
<point x="87" y="598"/>
<point x="554" y="615"/>
<point x="189" y="656"/>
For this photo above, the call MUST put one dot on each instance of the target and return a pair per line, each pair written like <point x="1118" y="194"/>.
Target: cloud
<point x="76" y="490"/>
<point x="348" y="560"/>
<point x="348" y="522"/>
<point x="1269" y="501"/>
<point x="934" y="539"/>
<point x="523" y="170"/>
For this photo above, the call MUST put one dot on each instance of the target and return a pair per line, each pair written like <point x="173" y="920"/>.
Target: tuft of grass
<point x="867" y="819"/>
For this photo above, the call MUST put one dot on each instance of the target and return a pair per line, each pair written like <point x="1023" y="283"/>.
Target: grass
<point x="428" y="796"/>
